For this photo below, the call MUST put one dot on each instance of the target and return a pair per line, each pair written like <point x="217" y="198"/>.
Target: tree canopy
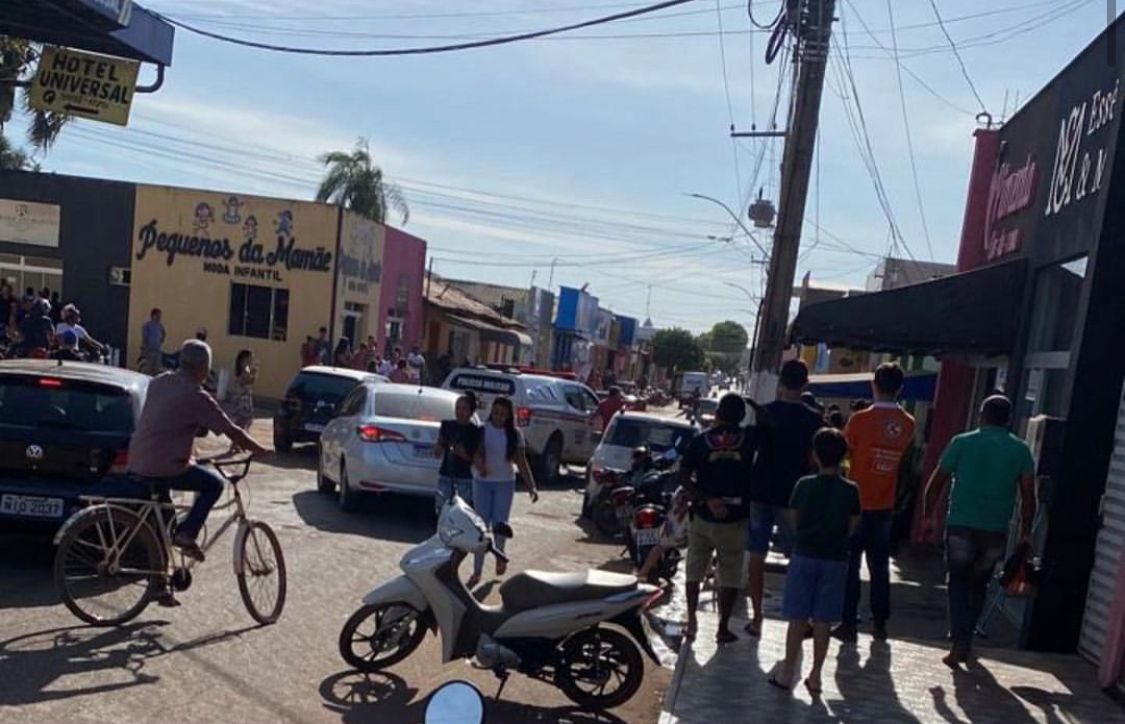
<point x="18" y="58"/>
<point x="728" y="337"/>
<point x="676" y="348"/>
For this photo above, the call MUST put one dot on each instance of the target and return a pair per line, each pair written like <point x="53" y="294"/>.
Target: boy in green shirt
<point x="826" y="511"/>
<point x="986" y="466"/>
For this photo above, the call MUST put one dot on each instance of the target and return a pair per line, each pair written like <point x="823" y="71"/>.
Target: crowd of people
<point x="396" y="366"/>
<point x="39" y="325"/>
<point x="830" y="488"/>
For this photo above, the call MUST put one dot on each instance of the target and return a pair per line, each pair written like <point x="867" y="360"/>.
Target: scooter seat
<point x="532" y="589"/>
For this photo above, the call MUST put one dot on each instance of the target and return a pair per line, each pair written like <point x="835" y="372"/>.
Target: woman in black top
<point x="457" y="445"/>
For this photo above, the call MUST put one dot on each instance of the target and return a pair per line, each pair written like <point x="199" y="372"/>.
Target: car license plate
<point x="31" y="506"/>
<point x="313" y="427"/>
<point x="646" y="537"/>
<point x="423" y="451"/>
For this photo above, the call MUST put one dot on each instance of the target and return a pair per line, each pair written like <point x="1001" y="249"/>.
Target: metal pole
<point x="813" y="35"/>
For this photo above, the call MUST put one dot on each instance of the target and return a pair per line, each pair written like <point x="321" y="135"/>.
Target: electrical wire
<point x="730" y="106"/>
<point x="957" y="54"/>
<point x="909" y="136"/>
<point x="382" y="52"/>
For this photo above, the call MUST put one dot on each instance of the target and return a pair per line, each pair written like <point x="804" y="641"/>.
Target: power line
<point x="909" y="135"/>
<point x="433" y="48"/>
<point x="726" y="92"/>
<point x="957" y="54"/>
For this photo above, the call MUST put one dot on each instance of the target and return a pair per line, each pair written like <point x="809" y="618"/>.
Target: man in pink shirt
<point x="176" y="407"/>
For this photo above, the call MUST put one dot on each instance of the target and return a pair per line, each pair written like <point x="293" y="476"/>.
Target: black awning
<point x="975" y="312"/>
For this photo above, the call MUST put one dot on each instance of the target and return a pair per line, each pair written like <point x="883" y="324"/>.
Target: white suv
<point x="553" y="413"/>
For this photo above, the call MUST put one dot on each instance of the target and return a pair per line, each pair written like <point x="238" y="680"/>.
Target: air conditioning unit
<point x="120" y="276"/>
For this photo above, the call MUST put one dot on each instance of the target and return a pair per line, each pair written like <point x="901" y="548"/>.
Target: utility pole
<point x="813" y="32"/>
<point x="551" y="278"/>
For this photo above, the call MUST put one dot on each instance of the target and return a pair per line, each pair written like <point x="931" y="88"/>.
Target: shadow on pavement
<point x="399" y="518"/>
<point x="26" y="578"/>
<point x="386" y="698"/>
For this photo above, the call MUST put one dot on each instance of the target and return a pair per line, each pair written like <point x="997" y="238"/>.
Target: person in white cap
<point x="70" y="323"/>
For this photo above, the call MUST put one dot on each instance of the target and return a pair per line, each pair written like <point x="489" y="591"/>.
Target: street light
<point x="757" y="316"/>
<point x="736" y="218"/>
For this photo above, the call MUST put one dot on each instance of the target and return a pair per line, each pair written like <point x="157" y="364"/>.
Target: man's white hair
<point x="195" y="356"/>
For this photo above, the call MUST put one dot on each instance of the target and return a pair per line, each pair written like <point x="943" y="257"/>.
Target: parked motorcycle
<point x="550" y="626"/>
<point x="612" y="507"/>
<point x="652" y="502"/>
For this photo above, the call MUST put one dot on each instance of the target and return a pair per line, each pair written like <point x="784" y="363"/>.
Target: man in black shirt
<point x="785" y="458"/>
<point x="716" y="469"/>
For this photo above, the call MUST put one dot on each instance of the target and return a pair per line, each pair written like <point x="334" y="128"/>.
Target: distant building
<point x="892" y="273"/>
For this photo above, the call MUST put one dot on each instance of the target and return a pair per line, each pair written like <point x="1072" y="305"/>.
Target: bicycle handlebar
<point x="241" y="465"/>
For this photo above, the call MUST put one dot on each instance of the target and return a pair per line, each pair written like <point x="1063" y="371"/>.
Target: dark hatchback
<point x="64" y="433"/>
<point x="311" y="402"/>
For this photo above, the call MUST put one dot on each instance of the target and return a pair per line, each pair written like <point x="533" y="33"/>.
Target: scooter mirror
<point x="502" y="529"/>
<point x="457" y="702"/>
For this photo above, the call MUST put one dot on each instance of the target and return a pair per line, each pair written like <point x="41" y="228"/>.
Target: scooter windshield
<point x="461" y="528"/>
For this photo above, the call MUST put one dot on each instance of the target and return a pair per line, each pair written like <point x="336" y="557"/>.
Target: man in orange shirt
<point x="878" y="439"/>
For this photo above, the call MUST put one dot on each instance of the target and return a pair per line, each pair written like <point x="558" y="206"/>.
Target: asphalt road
<point x="207" y="661"/>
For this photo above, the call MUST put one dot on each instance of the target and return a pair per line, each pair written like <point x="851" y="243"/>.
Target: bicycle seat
<point x="532" y="589"/>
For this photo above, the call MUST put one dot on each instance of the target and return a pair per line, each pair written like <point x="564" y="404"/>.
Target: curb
<point x="667" y="711"/>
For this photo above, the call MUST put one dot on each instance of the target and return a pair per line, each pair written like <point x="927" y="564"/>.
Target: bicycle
<point x="116" y="554"/>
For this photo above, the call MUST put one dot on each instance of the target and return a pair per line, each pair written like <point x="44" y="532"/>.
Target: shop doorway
<point x="36" y="272"/>
<point x="353" y="323"/>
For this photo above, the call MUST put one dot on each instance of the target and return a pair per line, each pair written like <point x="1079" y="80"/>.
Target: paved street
<point x="207" y="661"/>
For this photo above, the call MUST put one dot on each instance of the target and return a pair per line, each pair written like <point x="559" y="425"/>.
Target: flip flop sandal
<point x="725" y="637"/>
<point x="753" y="630"/>
<point x="814" y="690"/>
<point x="777" y="684"/>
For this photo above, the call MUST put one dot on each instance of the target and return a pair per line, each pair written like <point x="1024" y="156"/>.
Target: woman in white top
<point x="501" y="453"/>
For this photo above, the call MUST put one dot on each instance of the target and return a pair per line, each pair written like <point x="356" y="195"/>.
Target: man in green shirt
<point x="987" y="467"/>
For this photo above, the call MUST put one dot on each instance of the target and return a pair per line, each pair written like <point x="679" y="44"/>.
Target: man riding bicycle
<point x="176" y="408"/>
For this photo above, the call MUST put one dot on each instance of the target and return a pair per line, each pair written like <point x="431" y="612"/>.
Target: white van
<point x="691" y="382"/>
<point x="553" y="413"/>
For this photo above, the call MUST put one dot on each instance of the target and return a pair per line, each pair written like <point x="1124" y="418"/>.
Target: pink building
<point x="400" y="303"/>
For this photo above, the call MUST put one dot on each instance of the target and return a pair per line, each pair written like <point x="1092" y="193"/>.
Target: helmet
<point x="68" y="339"/>
<point x="42" y="306"/>
<point x="70" y="309"/>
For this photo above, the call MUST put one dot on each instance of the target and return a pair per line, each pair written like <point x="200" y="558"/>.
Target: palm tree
<point x="17" y="58"/>
<point x="12" y="158"/>
<point x="356" y="183"/>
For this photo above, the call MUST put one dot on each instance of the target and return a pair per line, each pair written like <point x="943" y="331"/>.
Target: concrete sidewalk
<point x="897" y="682"/>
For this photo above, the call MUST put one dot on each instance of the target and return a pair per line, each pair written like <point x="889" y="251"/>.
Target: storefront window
<point x="1058" y="290"/>
<point x="261" y="312"/>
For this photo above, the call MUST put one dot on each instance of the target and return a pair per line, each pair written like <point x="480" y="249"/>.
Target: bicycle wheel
<point x="107" y="566"/>
<point x="261" y="580"/>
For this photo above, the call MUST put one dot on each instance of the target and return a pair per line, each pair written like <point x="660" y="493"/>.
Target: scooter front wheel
<point x="381" y="635"/>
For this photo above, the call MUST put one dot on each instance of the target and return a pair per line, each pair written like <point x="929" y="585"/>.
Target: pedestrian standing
<point x="787" y="429"/>
<point x="878" y="440"/>
<point x="310" y="355"/>
<point x="384" y="367"/>
<point x="607" y="408"/>
<point x="7" y="308"/>
<point x="826" y="512"/>
<point x="417" y="364"/>
<point x="323" y="346"/>
<point x="342" y="357"/>
<point x="717" y="470"/>
<point x="987" y="467"/>
<point x="456" y="446"/>
<point x="400" y="374"/>
<point x="501" y="453"/>
<point x="152" y="344"/>
<point x="241" y="395"/>
<point x="359" y="359"/>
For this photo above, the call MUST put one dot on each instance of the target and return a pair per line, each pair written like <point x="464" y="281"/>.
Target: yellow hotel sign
<point x="84" y="85"/>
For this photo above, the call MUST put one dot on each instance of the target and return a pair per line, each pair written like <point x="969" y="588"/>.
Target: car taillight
<point x="604" y="477"/>
<point x="646" y="518"/>
<point x="374" y="433"/>
<point x="622" y="495"/>
<point x="120" y="464"/>
<point x="523" y="416"/>
<point x="52" y="382"/>
<point x="293" y="402"/>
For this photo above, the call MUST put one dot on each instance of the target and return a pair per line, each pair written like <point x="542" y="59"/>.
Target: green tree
<point x="676" y="348"/>
<point x="18" y="59"/>
<point x="12" y="158"/>
<point x="704" y="341"/>
<point x="728" y="337"/>
<point x="356" y="183"/>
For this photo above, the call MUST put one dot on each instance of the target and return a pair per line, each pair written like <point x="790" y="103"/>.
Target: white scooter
<point x="551" y="626"/>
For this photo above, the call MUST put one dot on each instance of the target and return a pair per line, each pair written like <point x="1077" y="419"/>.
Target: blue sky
<point x="582" y="148"/>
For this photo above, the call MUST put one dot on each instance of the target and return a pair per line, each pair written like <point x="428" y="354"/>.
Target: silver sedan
<point x="382" y="441"/>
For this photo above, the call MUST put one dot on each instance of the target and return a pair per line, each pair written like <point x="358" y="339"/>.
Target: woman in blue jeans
<point x="457" y="443"/>
<point x="501" y="453"/>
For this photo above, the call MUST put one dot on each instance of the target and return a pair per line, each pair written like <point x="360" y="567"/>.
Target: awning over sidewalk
<point x="113" y="27"/>
<point x="492" y="333"/>
<point x="973" y="312"/>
